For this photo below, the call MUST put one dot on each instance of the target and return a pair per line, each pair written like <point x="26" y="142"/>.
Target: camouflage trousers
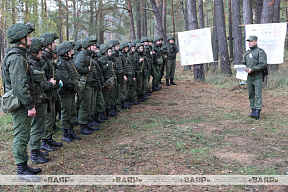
<point x="50" y="120"/>
<point x="68" y="110"/>
<point x="170" y="68"/>
<point x="132" y="89"/>
<point x="156" y="73"/>
<point x="86" y="107"/>
<point x="254" y="85"/>
<point x="38" y="126"/>
<point x="99" y="105"/>
<point x="124" y="90"/>
<point x="22" y="127"/>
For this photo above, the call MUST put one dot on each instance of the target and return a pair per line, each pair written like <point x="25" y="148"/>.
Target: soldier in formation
<point x="90" y="83"/>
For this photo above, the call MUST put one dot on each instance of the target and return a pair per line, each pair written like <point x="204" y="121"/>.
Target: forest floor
<point x="189" y="129"/>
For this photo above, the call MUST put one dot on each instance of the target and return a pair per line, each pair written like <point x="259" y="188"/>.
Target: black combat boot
<point x="24" y="169"/>
<point x="132" y="102"/>
<point x="252" y="113"/>
<point x="84" y="129"/>
<point x="36" y="158"/>
<point x="256" y="114"/>
<point x="149" y="91"/>
<point x="45" y="145"/>
<point x="44" y="153"/>
<point x="167" y="82"/>
<point x="67" y="136"/>
<point x="93" y="123"/>
<point x="92" y="128"/>
<point x="103" y="117"/>
<point x="124" y="105"/>
<point x="73" y="134"/>
<point x="54" y="143"/>
<point x="159" y="88"/>
<point x="160" y="82"/>
<point x="172" y="82"/>
<point x="97" y="118"/>
<point x="140" y="98"/>
<point x="148" y="94"/>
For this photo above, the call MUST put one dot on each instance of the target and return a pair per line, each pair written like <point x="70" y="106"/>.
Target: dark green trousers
<point x="254" y="85"/>
<point x="86" y="108"/>
<point x="38" y="126"/>
<point x="123" y="90"/>
<point x="100" y="105"/>
<point x="170" y="68"/>
<point x="22" y="127"/>
<point x="50" y="120"/>
<point x="68" y="110"/>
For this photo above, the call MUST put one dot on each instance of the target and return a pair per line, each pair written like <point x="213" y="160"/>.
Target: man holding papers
<point x="255" y="60"/>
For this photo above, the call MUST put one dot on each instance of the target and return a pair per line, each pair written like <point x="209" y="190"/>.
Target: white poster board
<point x="271" y="38"/>
<point x="195" y="46"/>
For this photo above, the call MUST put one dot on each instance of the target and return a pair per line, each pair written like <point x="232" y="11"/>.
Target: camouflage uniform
<point x="157" y="65"/>
<point x="68" y="75"/>
<point x="172" y="50"/>
<point x="132" y="84"/>
<point x="255" y="59"/>
<point x="17" y="76"/>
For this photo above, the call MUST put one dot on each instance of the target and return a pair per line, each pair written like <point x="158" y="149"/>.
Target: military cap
<point x="157" y="39"/>
<point x="49" y="37"/>
<point x="144" y="39"/>
<point x="138" y="45"/>
<point x="89" y="41"/>
<point x="18" y="31"/>
<point x="114" y="42"/>
<point x="131" y="45"/>
<point x="252" y="38"/>
<point x="136" y="41"/>
<point x="104" y="48"/>
<point x="36" y="44"/>
<point x="123" y="45"/>
<point x="170" y="37"/>
<point x="78" y="44"/>
<point x="64" y="47"/>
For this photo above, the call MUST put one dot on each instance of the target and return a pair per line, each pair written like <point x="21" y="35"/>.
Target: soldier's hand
<point x="134" y="79"/>
<point x="141" y="59"/>
<point x="32" y="112"/>
<point x="125" y="78"/>
<point x="248" y="70"/>
<point x="89" y="67"/>
<point x="52" y="80"/>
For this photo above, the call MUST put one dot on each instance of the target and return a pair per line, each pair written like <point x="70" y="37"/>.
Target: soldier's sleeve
<point x="80" y="65"/>
<point x="46" y="85"/>
<point x="103" y="64"/>
<point x="262" y="61"/>
<point x="19" y="81"/>
<point x="176" y="49"/>
<point x="63" y="75"/>
<point x="119" y="65"/>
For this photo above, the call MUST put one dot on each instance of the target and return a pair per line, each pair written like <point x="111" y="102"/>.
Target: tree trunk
<point x="230" y="31"/>
<point x="101" y="26"/>
<point x="131" y="20"/>
<point x="247" y="12"/>
<point x="267" y="17"/>
<point x="215" y="44"/>
<point x="173" y="18"/>
<point x="13" y="12"/>
<point x="138" y="19"/>
<point x="185" y="12"/>
<point x="237" y="32"/>
<point x="26" y="12"/>
<point x="60" y="21"/>
<point x="221" y="31"/>
<point x="258" y="15"/>
<point x="144" y="20"/>
<point x="276" y="17"/>
<point x="67" y="21"/>
<point x="201" y="25"/>
<point x="158" y="19"/>
<point x="164" y="21"/>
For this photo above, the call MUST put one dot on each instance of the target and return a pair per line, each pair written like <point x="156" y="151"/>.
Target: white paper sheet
<point x="240" y="72"/>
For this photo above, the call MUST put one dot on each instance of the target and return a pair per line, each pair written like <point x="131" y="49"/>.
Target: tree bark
<point x="215" y="44"/>
<point x="158" y="19"/>
<point x="67" y="21"/>
<point x="201" y="14"/>
<point x="221" y="31"/>
<point x="60" y="21"/>
<point x="138" y="19"/>
<point x="237" y="32"/>
<point x="131" y="20"/>
<point x="101" y="26"/>
<point x="173" y="17"/>
<point x="247" y="12"/>
<point x="230" y="31"/>
<point x="164" y="20"/>
<point x="276" y="17"/>
<point x="13" y="12"/>
<point x="258" y="15"/>
<point x="267" y="17"/>
<point x="144" y="20"/>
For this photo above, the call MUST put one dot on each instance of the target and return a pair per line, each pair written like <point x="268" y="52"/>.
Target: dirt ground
<point x="192" y="128"/>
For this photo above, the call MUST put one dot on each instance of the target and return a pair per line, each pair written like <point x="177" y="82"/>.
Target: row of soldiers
<point x="103" y="78"/>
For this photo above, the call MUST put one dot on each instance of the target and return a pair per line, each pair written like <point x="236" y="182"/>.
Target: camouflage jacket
<point x="107" y="67"/>
<point x="131" y="62"/>
<point x="41" y="82"/>
<point x="255" y="59"/>
<point x="98" y="74"/>
<point x="172" y="50"/>
<point x="17" y="75"/>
